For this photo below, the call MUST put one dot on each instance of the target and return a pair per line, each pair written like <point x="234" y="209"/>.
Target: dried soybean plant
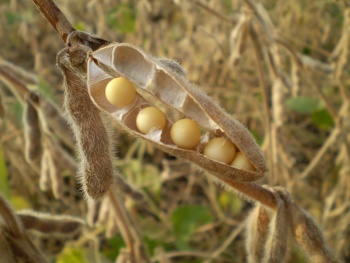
<point x="90" y="63"/>
<point x="161" y="83"/>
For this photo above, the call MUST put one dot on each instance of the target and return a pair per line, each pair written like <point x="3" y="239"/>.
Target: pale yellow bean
<point x="241" y="162"/>
<point x="120" y="92"/>
<point x="150" y="118"/>
<point x="221" y="150"/>
<point x="185" y="133"/>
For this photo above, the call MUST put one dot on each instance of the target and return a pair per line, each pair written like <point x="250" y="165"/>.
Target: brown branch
<point x="215" y="13"/>
<point x="254" y="192"/>
<point x="265" y="93"/>
<point x="16" y="87"/>
<point x="55" y="17"/>
<point x="132" y="238"/>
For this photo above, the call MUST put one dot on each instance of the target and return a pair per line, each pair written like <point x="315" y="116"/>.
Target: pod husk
<point x="156" y="82"/>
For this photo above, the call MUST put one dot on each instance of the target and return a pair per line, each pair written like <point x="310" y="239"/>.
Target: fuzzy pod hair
<point x="32" y="132"/>
<point x="278" y="239"/>
<point x="257" y="227"/>
<point x="309" y="237"/>
<point x="96" y="172"/>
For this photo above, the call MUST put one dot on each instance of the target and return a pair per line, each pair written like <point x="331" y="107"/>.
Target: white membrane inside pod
<point x="105" y="55"/>
<point x="120" y="112"/>
<point x="139" y="69"/>
<point x="132" y="63"/>
<point x="169" y="90"/>
<point x="154" y="134"/>
<point x="193" y="111"/>
<point x="97" y="80"/>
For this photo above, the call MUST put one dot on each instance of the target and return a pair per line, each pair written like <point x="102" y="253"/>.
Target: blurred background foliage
<point x="187" y="216"/>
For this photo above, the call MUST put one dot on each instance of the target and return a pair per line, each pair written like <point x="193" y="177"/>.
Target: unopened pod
<point x="156" y="83"/>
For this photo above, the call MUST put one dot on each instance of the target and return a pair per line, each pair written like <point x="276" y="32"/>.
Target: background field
<point x="185" y="216"/>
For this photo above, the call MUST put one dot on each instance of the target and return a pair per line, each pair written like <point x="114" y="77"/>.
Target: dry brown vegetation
<point x="279" y="67"/>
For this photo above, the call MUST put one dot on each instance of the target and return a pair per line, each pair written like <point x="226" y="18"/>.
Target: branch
<point x="55" y="17"/>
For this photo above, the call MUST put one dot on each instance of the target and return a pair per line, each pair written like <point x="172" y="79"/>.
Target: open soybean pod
<point x="159" y="84"/>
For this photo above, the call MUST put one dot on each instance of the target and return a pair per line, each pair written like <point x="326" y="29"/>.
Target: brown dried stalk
<point x="133" y="240"/>
<point x="45" y="170"/>
<point x="55" y="17"/>
<point x="16" y="86"/>
<point x="17" y="72"/>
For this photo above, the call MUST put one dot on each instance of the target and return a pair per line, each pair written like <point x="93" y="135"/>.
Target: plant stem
<point x="55" y="17"/>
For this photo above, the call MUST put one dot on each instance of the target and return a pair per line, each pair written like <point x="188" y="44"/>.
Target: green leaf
<point x="303" y="105"/>
<point x="322" y="119"/>
<point x="46" y="90"/>
<point x="186" y="220"/>
<point x="113" y="247"/>
<point x="122" y="18"/>
<point x="230" y="201"/>
<point x="19" y="202"/>
<point x="12" y="18"/>
<point x="306" y="51"/>
<point x="16" y="110"/>
<point x="4" y="185"/>
<point x="71" y="255"/>
<point x="259" y="139"/>
<point x="79" y="26"/>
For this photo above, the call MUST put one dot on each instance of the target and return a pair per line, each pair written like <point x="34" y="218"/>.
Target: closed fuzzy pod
<point x="256" y="233"/>
<point x="279" y="234"/>
<point x="159" y="82"/>
<point x="15" y="244"/>
<point x="54" y="171"/>
<point x="32" y="132"/>
<point x="47" y="224"/>
<point x="93" y="142"/>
